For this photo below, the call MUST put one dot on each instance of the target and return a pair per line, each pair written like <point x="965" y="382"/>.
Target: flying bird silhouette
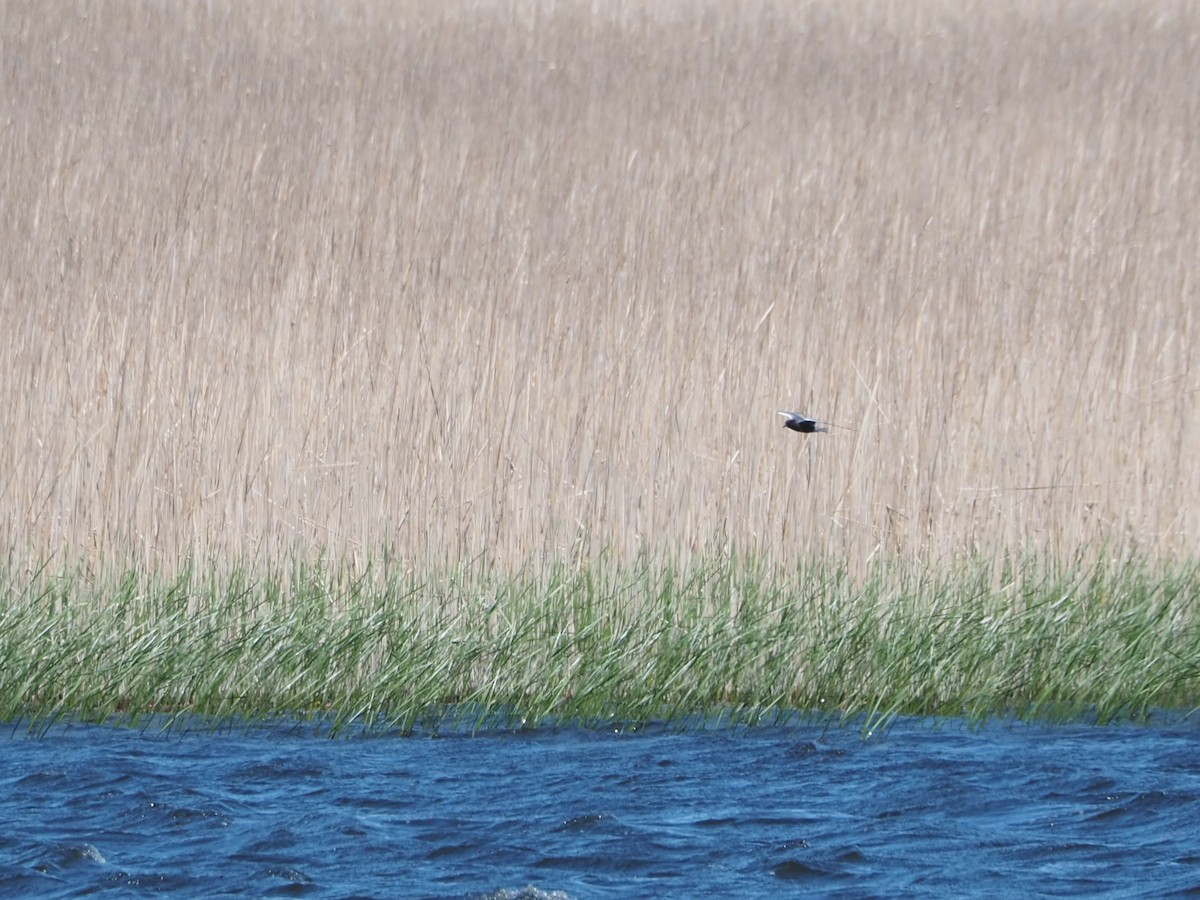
<point x="803" y="424"/>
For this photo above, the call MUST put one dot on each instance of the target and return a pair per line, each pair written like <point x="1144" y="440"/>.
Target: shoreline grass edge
<point x="387" y="649"/>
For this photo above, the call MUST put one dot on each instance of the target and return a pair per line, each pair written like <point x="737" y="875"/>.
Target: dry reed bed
<point x="531" y="281"/>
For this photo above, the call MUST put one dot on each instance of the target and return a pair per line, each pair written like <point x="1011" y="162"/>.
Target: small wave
<point x="529" y="892"/>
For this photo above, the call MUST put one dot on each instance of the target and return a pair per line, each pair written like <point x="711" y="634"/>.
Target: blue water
<point x="921" y="810"/>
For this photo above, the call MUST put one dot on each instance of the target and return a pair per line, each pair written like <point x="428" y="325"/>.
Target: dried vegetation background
<point x="531" y="279"/>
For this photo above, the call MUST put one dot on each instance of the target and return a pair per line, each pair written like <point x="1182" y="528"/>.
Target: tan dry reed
<point x="531" y="279"/>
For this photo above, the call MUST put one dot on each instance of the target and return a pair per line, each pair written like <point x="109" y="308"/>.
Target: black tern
<point x="804" y="424"/>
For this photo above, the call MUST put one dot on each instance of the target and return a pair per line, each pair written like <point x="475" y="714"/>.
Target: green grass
<point x="722" y="639"/>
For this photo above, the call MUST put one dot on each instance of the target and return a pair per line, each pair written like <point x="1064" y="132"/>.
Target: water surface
<point x="1010" y="809"/>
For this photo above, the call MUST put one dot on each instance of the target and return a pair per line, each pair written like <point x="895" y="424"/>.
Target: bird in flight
<point x="804" y="424"/>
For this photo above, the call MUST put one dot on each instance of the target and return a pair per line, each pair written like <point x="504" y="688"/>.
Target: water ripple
<point x="924" y="811"/>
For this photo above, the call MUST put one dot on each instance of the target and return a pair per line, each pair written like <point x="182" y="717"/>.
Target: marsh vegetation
<point x="599" y="646"/>
<point x="475" y="319"/>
